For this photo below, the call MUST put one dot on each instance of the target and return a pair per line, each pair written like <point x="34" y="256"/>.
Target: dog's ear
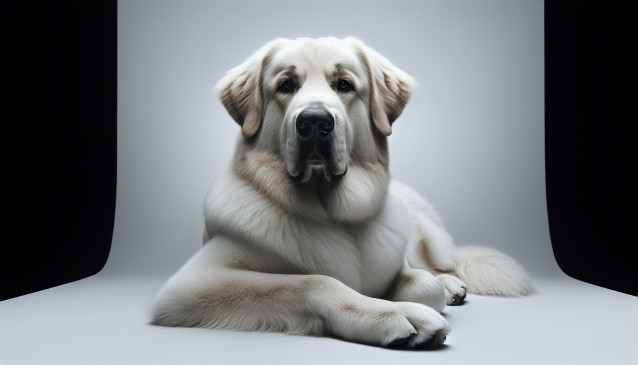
<point x="390" y="88"/>
<point x="240" y="90"/>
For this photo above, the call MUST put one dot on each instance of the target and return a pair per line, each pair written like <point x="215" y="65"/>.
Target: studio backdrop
<point x="133" y="83"/>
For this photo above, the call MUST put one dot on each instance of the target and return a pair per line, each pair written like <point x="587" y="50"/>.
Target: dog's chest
<point x="367" y="256"/>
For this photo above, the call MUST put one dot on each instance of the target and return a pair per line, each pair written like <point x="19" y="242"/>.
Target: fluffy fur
<point x="329" y="246"/>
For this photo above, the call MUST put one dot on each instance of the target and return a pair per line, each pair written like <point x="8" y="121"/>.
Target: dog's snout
<point x="315" y="122"/>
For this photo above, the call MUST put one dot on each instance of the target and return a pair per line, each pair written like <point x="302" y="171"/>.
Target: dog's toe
<point x="433" y="341"/>
<point x="455" y="289"/>
<point x="400" y="342"/>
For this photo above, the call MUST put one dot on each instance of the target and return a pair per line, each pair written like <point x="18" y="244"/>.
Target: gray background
<point x="470" y="140"/>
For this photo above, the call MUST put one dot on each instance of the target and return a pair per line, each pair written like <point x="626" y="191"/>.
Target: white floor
<point x="103" y="320"/>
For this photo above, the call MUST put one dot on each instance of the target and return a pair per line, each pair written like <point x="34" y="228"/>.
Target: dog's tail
<point x="487" y="271"/>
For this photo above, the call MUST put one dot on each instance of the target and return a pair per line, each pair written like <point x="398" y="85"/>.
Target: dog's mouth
<point x="316" y="169"/>
<point x="315" y="161"/>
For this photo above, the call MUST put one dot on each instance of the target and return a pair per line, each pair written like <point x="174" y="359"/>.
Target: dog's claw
<point x="457" y="298"/>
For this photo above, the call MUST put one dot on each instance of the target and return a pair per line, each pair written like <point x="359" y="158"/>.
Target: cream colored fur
<point x="331" y="249"/>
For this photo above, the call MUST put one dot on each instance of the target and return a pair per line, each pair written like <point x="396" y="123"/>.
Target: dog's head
<point x="319" y="104"/>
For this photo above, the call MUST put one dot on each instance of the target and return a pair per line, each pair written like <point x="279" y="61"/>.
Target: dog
<point x="305" y="231"/>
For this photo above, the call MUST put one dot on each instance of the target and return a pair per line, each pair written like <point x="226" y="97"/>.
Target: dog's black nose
<point x="315" y="122"/>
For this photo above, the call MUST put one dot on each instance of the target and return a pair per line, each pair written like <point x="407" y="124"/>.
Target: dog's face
<point x="320" y="105"/>
<point x="316" y="94"/>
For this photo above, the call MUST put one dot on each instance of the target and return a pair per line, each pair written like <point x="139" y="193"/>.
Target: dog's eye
<point x="287" y="87"/>
<point x="344" y="86"/>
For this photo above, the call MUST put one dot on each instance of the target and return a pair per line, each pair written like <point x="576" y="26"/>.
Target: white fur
<point x="490" y="272"/>
<point x="340" y="251"/>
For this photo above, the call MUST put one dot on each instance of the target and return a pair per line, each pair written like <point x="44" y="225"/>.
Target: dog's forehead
<point x="316" y="55"/>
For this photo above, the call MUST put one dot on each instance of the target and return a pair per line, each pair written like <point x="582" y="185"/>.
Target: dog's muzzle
<point x="315" y="127"/>
<point x="316" y="150"/>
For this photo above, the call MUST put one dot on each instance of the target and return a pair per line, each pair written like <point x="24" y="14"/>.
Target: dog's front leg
<point x="206" y="294"/>
<point x="419" y="286"/>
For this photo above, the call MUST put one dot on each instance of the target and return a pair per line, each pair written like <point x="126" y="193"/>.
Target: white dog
<point x="305" y="233"/>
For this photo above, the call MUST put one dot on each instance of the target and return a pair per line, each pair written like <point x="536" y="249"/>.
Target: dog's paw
<point x="419" y="286"/>
<point x="431" y="329"/>
<point x="455" y="289"/>
<point x="394" y="325"/>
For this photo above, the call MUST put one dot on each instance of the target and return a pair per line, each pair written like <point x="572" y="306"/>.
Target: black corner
<point x="590" y="136"/>
<point x="61" y="144"/>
